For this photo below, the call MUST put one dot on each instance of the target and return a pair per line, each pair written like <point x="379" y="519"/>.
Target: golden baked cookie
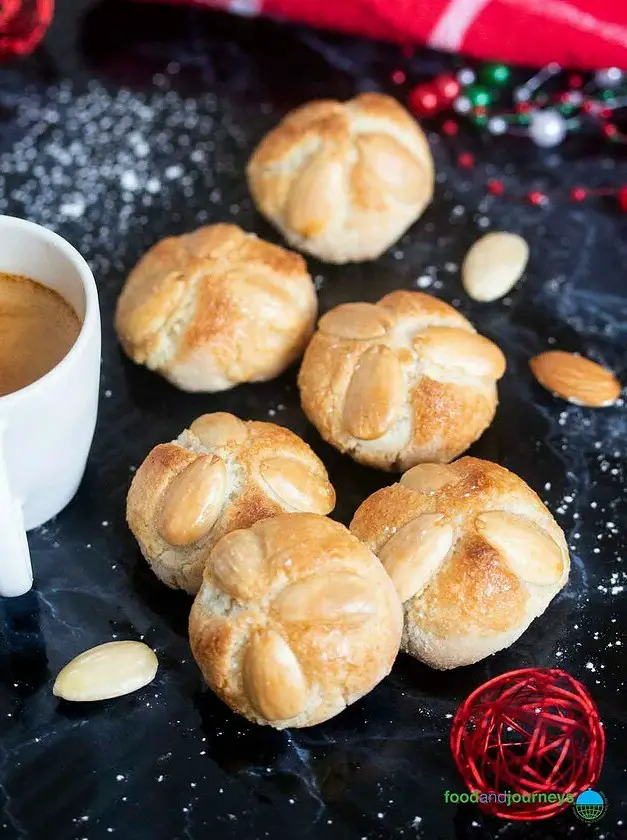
<point x="343" y="180"/>
<point x="216" y="307"/>
<point x="401" y="381"/>
<point x="295" y="620"/>
<point x="220" y="474"/>
<point x="474" y="553"/>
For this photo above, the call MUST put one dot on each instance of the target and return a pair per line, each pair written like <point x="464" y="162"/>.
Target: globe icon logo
<point x="590" y="806"/>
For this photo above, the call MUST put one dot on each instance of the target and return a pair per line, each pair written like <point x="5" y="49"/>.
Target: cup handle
<point x="16" y="573"/>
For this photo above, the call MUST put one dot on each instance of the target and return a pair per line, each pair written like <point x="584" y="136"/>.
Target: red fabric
<point x="587" y="34"/>
<point x="576" y="33"/>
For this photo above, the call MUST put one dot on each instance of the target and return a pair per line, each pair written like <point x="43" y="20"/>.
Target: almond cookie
<point x="220" y="474"/>
<point x="401" y="381"/>
<point x="295" y="620"/>
<point x="343" y="180"/>
<point x="474" y="553"/>
<point x="215" y="308"/>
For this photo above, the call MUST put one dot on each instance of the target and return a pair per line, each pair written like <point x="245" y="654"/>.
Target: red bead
<point x="480" y="111"/>
<point x="532" y="731"/>
<point x="606" y="113"/>
<point x="495" y="187"/>
<point x="621" y="197"/>
<point x="536" y="197"/>
<point x="575" y="81"/>
<point x="447" y="87"/>
<point x="398" y="77"/>
<point x="523" y="107"/>
<point x="578" y="194"/>
<point x="424" y="101"/>
<point x="609" y="129"/>
<point x="589" y="106"/>
<point x="466" y="160"/>
<point x="450" y="128"/>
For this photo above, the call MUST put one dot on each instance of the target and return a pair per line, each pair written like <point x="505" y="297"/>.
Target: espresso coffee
<point x="37" y="329"/>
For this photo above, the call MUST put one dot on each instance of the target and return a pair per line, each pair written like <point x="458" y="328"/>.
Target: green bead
<point x="480" y="120"/>
<point x="523" y="119"/>
<point x="496" y="74"/>
<point x="479" y="96"/>
<point x="608" y="94"/>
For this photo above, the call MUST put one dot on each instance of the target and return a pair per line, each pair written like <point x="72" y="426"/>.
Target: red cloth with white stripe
<point x="586" y="34"/>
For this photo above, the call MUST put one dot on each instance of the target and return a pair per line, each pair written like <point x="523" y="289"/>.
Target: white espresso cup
<point x="46" y="428"/>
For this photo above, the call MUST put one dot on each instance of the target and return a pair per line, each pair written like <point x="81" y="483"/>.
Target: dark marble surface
<point x="142" y="128"/>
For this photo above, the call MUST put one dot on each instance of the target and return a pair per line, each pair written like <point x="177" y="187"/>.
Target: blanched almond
<point x="527" y="549"/>
<point x="337" y="598"/>
<point x="374" y="395"/>
<point x="414" y="554"/>
<point x="575" y="378"/>
<point x="494" y="265"/>
<point x="238" y="567"/>
<point x="298" y="487"/>
<point x="462" y="351"/>
<point x="273" y="679"/>
<point x="107" y="671"/>
<point x="218" y="429"/>
<point x="316" y="197"/>
<point x="394" y="167"/>
<point x="193" y="501"/>
<point x="428" y="478"/>
<point x="354" y="320"/>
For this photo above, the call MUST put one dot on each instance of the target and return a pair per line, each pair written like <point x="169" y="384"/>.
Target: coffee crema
<point x="37" y="329"/>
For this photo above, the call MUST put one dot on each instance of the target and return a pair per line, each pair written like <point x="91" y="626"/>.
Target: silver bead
<point x="547" y="128"/>
<point x="462" y="105"/>
<point x="609" y="77"/>
<point x="522" y="94"/>
<point x="497" y="125"/>
<point x="466" y="76"/>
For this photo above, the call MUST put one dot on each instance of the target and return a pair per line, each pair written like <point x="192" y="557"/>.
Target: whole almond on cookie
<point x="107" y="671"/>
<point x="575" y="378"/>
<point x="494" y="265"/>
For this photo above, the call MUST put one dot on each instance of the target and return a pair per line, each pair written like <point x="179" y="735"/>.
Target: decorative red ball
<point x="495" y="187"/>
<point x="589" y="106"/>
<point x="533" y="731"/>
<point x="536" y="197"/>
<point x="398" y="77"/>
<point x="466" y="160"/>
<point x="23" y="25"/>
<point x="621" y="197"/>
<point x="523" y="108"/>
<point x="424" y="101"/>
<point x="575" y="81"/>
<point x="578" y="194"/>
<point x="610" y="130"/>
<point x="447" y="87"/>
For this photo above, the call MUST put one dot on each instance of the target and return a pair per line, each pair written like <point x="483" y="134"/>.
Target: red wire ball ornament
<point x="533" y="731"/>
<point x="22" y="25"/>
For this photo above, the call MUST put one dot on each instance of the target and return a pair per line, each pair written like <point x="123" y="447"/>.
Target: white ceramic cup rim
<point x="90" y="319"/>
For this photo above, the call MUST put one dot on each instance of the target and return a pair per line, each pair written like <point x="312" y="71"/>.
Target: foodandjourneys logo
<point x="589" y="806"/>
